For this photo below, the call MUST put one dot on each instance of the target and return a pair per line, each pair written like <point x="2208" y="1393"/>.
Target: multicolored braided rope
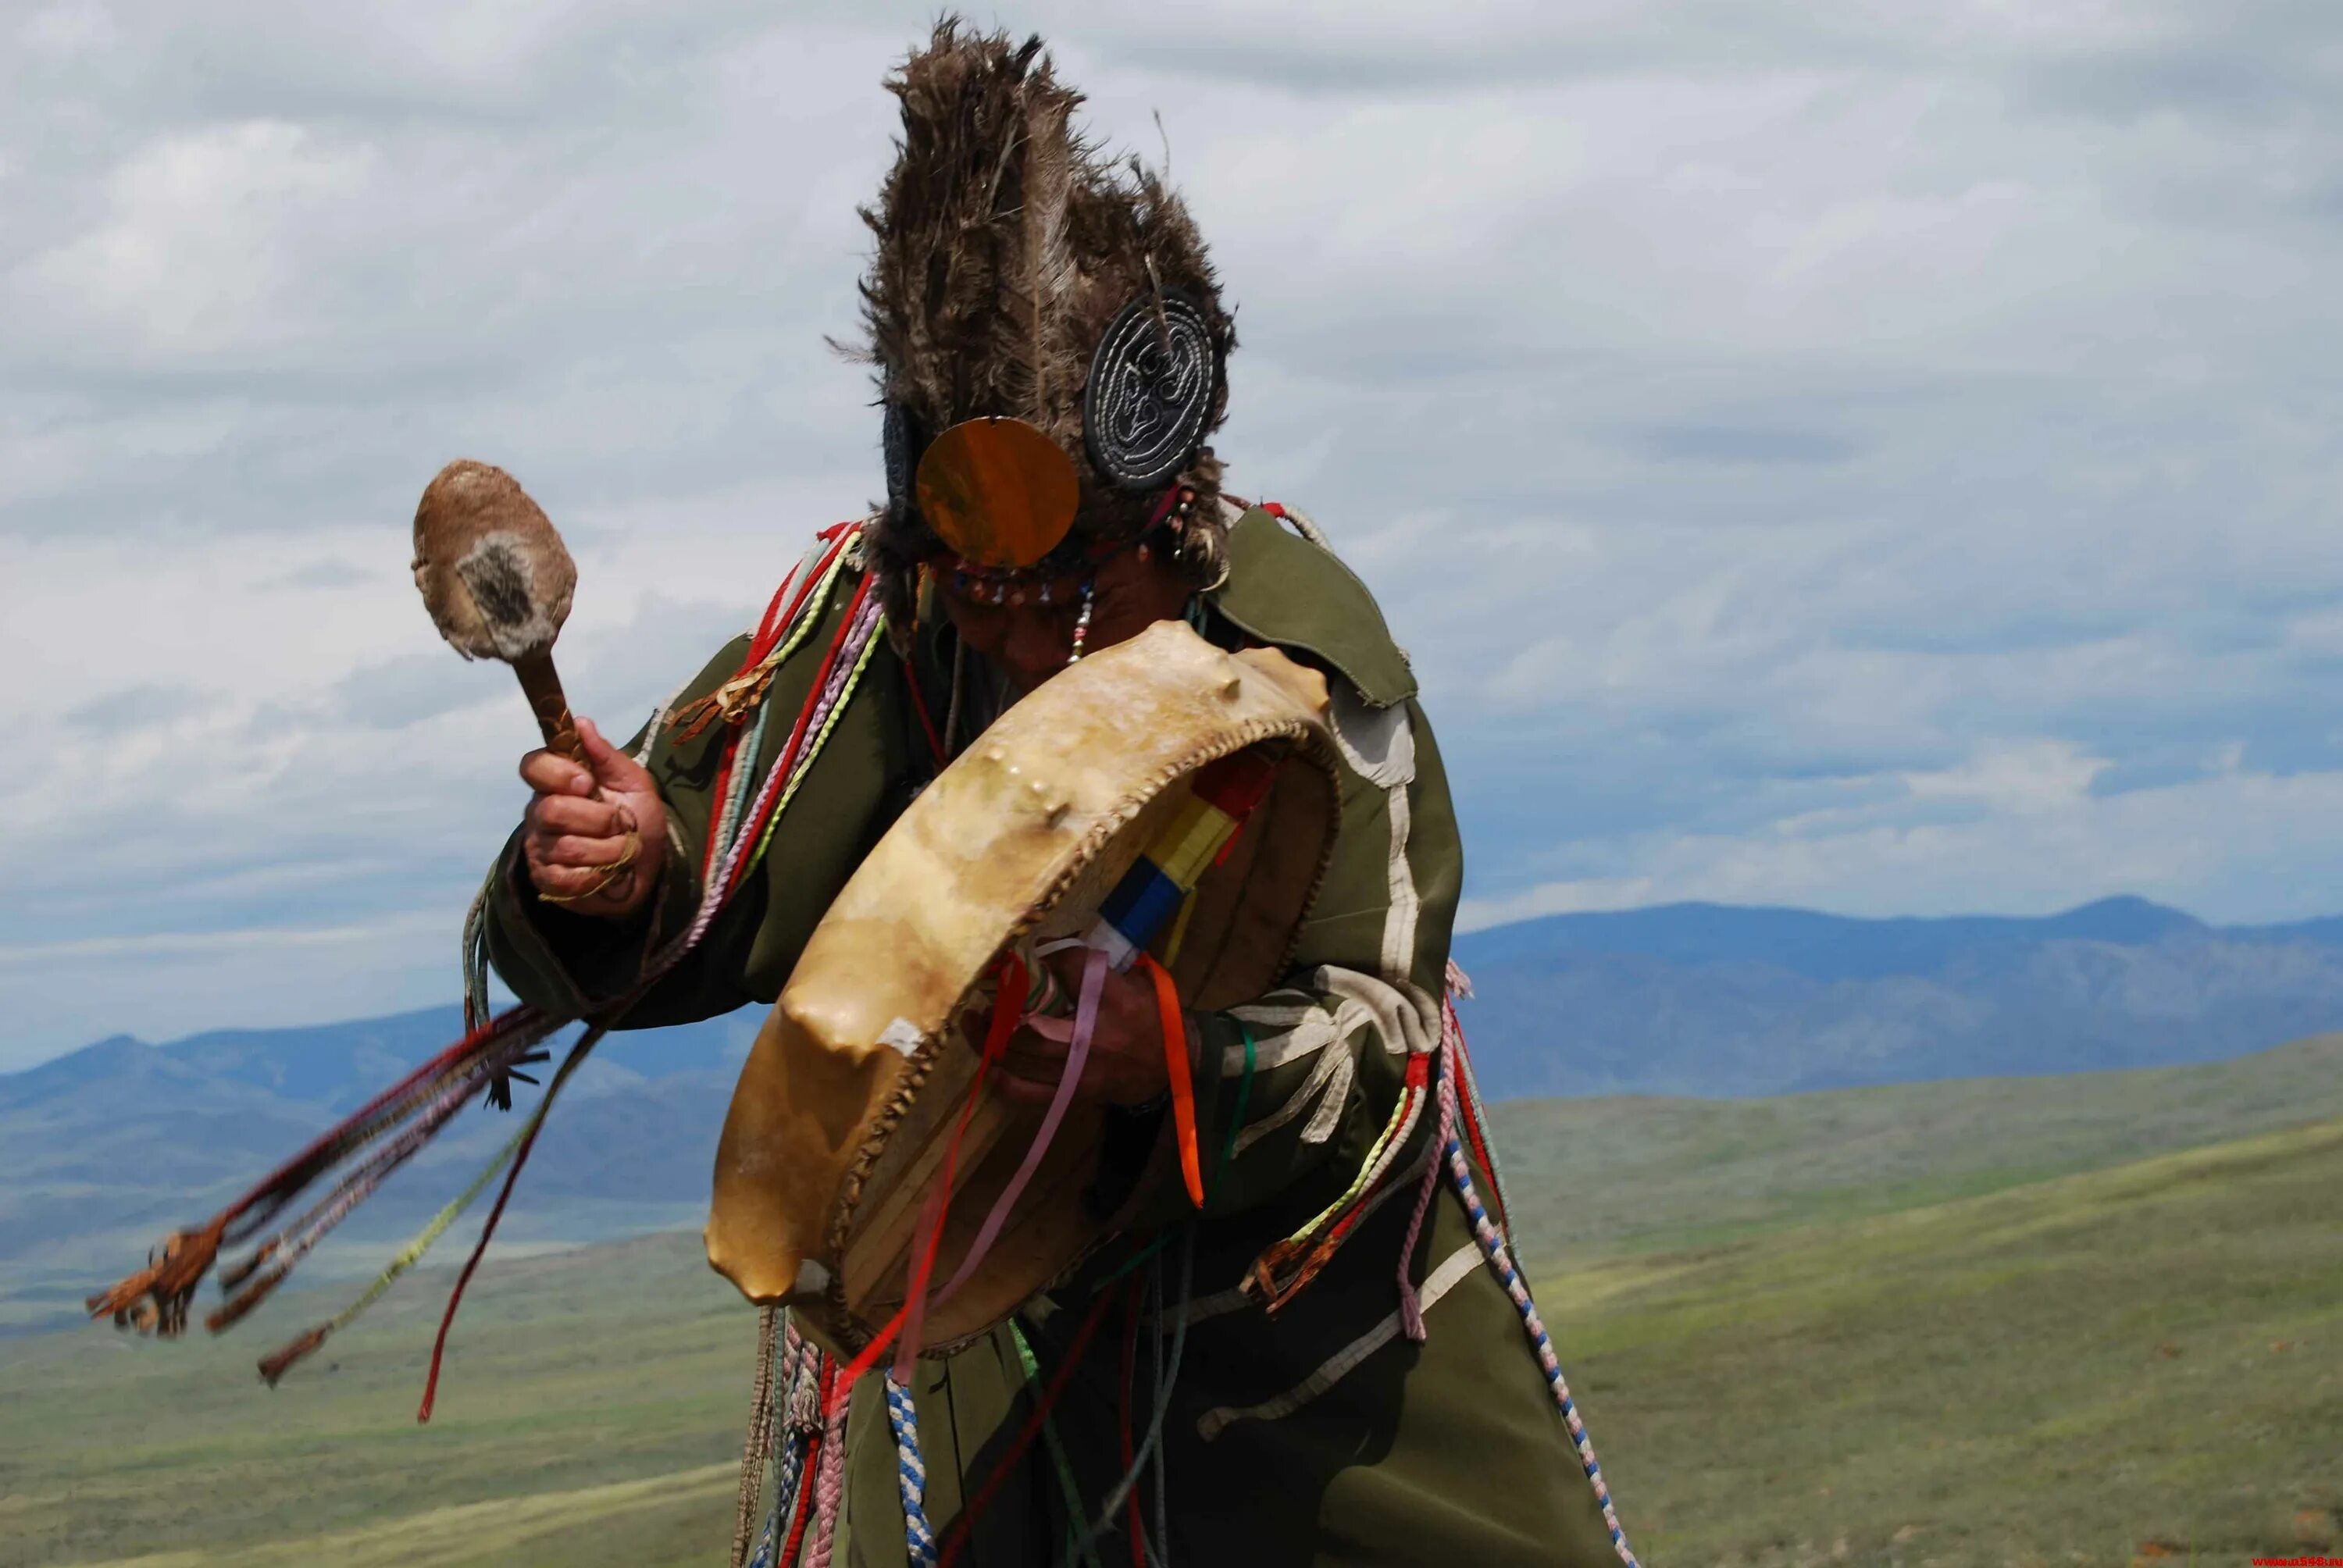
<point x="911" y="1476"/>
<point x="1501" y="1260"/>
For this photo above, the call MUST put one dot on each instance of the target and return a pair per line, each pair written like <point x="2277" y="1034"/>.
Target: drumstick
<point x="496" y="580"/>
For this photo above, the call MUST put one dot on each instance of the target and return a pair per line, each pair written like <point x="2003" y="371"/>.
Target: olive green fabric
<point x="1448" y="1451"/>
<point x="1336" y="619"/>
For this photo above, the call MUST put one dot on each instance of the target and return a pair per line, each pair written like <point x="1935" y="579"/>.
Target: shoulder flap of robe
<point x="1293" y="594"/>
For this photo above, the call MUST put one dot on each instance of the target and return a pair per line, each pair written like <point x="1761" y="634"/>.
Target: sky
<point x="1872" y="457"/>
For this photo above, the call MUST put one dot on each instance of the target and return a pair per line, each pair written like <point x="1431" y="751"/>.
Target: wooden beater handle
<point x="542" y="685"/>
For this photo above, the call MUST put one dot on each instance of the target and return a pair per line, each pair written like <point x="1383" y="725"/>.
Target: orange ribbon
<point x="1175" y="1064"/>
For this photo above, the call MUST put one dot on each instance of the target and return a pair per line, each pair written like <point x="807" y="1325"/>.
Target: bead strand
<point x="1082" y="622"/>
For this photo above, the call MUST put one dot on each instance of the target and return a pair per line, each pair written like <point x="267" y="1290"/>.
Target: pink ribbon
<point x="1078" y="1050"/>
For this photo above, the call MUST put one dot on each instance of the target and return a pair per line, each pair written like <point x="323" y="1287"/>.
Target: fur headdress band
<point x="1019" y="273"/>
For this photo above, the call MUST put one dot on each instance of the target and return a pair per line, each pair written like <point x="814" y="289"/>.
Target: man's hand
<point x="1125" y="1066"/>
<point x="572" y="837"/>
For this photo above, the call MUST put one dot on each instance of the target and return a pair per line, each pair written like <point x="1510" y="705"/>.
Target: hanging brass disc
<point x="997" y="491"/>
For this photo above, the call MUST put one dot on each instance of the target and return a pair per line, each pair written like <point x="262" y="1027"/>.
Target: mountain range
<point x="1719" y="1001"/>
<point x="104" y="1147"/>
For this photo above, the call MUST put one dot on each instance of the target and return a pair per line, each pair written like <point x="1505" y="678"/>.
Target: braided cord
<point x="760" y="1442"/>
<point x="1411" y="1305"/>
<point x="728" y="815"/>
<point x="792" y="1441"/>
<point x="911" y="1476"/>
<point x="826" y="720"/>
<point x="736" y="787"/>
<point x="1476" y="1113"/>
<point x="1387" y="1146"/>
<point x="800" y="1415"/>
<point x="735" y="778"/>
<point x="828" y="1481"/>
<point x="1501" y="1260"/>
<point x="277" y="1364"/>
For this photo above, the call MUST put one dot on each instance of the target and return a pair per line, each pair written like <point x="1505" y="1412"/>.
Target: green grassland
<point x="1954" y="1323"/>
<point x="1640" y="1172"/>
<point x="590" y="1413"/>
<point x="2137" y="1361"/>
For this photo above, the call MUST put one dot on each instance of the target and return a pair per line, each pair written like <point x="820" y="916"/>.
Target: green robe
<point x="1318" y="1434"/>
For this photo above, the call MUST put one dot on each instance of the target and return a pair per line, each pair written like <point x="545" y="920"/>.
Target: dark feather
<point x="1005" y="243"/>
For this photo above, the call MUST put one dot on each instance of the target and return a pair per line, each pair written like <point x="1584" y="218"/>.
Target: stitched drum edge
<point x="1315" y="747"/>
<point x="851" y="1332"/>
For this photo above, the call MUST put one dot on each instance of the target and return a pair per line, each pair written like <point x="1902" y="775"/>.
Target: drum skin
<point x="838" y="1127"/>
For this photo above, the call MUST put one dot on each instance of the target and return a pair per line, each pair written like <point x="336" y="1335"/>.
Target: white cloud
<point x="199" y="249"/>
<point x="1868" y="454"/>
<point x="67" y="31"/>
<point x="2033" y="839"/>
<point x="2035" y="779"/>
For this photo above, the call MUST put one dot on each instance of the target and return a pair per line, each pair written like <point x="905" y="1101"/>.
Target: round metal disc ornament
<point x="997" y="491"/>
<point x="1149" y="392"/>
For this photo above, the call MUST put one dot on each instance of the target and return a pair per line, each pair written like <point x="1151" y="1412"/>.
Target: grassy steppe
<point x="2140" y="1362"/>
<point x="2132" y="1363"/>
<point x="590" y="1414"/>
<point x="1643" y="1173"/>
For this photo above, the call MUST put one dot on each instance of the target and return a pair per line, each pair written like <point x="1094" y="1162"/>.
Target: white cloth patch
<point x="1331" y="1100"/>
<point x="1379" y="743"/>
<point x="1313" y="1029"/>
<point x="1217" y="1419"/>
<point x="1398" y="924"/>
<point x="1329" y="1063"/>
<point x="1407" y="1019"/>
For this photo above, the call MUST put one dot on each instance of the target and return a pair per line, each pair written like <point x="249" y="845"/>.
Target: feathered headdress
<point x="1020" y="273"/>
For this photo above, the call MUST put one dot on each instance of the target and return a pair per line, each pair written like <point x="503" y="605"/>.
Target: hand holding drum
<point x="496" y="580"/>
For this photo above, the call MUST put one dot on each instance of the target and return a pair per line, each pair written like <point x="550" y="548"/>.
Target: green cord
<point x="1066" y="1482"/>
<point x="1025" y="1351"/>
<point x="1134" y="1262"/>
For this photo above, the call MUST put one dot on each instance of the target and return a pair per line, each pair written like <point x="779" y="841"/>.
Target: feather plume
<point x="1005" y="243"/>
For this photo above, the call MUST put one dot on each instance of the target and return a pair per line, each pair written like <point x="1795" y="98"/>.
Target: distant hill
<point x="103" y="1149"/>
<point x="1712" y="1000"/>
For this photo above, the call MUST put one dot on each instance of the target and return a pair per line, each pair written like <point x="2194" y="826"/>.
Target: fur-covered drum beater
<point x="496" y="580"/>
